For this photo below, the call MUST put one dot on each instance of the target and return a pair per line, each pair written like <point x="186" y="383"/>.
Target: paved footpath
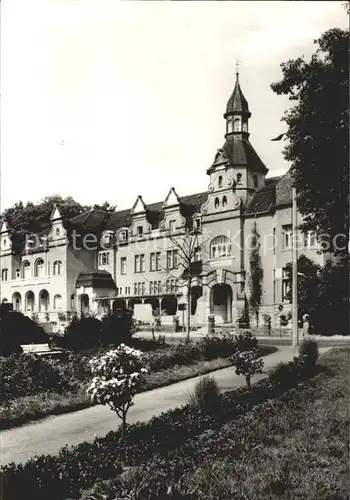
<point x="52" y="433"/>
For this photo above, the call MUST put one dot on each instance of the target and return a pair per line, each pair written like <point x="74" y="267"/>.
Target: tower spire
<point x="237" y="72"/>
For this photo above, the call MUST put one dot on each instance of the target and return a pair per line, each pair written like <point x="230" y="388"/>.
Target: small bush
<point x="206" y="395"/>
<point x="308" y="350"/>
<point x="246" y="341"/>
<point x="83" y="332"/>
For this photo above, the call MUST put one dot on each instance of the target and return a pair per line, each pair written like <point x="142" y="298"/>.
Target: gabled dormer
<point x="140" y="224"/>
<point x="172" y="219"/>
<point x="58" y="232"/>
<point x="5" y="239"/>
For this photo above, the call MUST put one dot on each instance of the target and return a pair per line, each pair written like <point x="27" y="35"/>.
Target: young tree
<point x="318" y="134"/>
<point x="256" y="274"/>
<point x="248" y="364"/>
<point x="117" y="377"/>
<point x="189" y="248"/>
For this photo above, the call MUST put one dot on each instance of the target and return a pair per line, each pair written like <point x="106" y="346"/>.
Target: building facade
<point x="97" y="261"/>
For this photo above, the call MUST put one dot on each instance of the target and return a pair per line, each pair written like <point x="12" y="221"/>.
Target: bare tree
<point x="190" y="249"/>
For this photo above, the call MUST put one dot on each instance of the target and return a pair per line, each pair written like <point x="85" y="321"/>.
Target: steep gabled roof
<point x="239" y="151"/>
<point x="94" y="219"/>
<point x="276" y="193"/>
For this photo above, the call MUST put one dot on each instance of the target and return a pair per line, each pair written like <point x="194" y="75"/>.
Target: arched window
<point x="17" y="301"/>
<point x="224" y="201"/>
<point x="72" y="301"/>
<point x="57" y="232"/>
<point x="239" y="178"/>
<point x="57" y="267"/>
<point x="216" y="203"/>
<point x="39" y="268"/>
<point x="220" y="181"/>
<point x="237" y="125"/>
<point x="220" y="247"/>
<point x="26" y="269"/>
<point x="57" y="302"/>
<point x="18" y="273"/>
<point x="4" y="275"/>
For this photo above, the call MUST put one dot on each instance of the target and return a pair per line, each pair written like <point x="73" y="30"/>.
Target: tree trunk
<point x="247" y="378"/>
<point x="124" y="424"/>
<point x="188" y="309"/>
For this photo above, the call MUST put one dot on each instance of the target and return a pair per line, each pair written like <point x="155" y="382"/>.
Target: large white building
<point x="97" y="260"/>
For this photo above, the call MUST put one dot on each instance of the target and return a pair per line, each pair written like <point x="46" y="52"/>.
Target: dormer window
<point x="230" y="125"/>
<point x="123" y="235"/>
<point x="4" y="243"/>
<point x="139" y="231"/>
<point x="57" y="232"/>
<point x="220" y="181"/>
<point x="224" y="201"/>
<point x="245" y="127"/>
<point x="255" y="181"/>
<point x="216" y="203"/>
<point x="106" y="238"/>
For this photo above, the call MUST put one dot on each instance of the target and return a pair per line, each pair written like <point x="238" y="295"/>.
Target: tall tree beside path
<point x="318" y="136"/>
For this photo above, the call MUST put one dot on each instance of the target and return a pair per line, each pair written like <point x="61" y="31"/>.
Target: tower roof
<point x="237" y="103"/>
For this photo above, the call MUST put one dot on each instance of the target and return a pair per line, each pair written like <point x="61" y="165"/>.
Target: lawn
<point x="293" y="447"/>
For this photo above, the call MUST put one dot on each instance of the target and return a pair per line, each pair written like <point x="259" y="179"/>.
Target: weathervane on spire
<point x="237" y="65"/>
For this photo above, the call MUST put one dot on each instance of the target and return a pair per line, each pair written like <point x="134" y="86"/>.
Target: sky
<point x="106" y="100"/>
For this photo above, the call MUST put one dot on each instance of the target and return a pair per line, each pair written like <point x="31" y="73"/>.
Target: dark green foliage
<point x="17" y="329"/>
<point x="83" y="332"/>
<point x="308" y="350"/>
<point x="246" y="341"/>
<point x="29" y="375"/>
<point x="118" y="327"/>
<point x="206" y="395"/>
<point x="323" y="294"/>
<point x="318" y="136"/>
<point x="256" y="273"/>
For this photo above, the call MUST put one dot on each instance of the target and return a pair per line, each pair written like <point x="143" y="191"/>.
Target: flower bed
<point x="63" y="476"/>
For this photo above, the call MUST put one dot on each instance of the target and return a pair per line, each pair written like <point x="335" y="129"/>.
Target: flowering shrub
<point x="248" y="364"/>
<point x="117" y="377"/>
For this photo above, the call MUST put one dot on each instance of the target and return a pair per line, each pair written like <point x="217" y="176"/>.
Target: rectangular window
<point x="274" y="240"/>
<point x="103" y="258"/>
<point x="143" y="288"/>
<point x="151" y="287"/>
<point x="142" y="263"/>
<point x="126" y="290"/>
<point x="158" y="261"/>
<point x="123" y="265"/>
<point x="172" y="226"/>
<point x="286" y="286"/>
<point x="139" y="231"/>
<point x="310" y="239"/>
<point x="287" y="236"/>
<point x="139" y="263"/>
<point x="135" y="288"/>
<point x="172" y="259"/>
<point x="155" y="261"/>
